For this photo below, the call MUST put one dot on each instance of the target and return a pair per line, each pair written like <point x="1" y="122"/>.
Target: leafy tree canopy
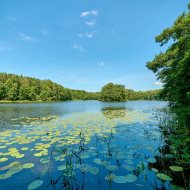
<point x="113" y="92"/>
<point x="172" y="67"/>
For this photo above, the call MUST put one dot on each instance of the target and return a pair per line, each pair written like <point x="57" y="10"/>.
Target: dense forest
<point x="15" y="88"/>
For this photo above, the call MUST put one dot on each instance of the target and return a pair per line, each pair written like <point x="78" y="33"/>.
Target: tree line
<point x="14" y="88"/>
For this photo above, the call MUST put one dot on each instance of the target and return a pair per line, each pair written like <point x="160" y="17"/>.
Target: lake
<point x="81" y="145"/>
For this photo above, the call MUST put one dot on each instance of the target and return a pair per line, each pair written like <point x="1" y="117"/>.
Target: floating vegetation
<point x="131" y="178"/>
<point x="45" y="160"/>
<point x="176" y="168"/>
<point x="111" y="167"/>
<point x="120" y="179"/>
<point x="155" y="170"/>
<point x="3" y="159"/>
<point x="164" y="177"/>
<point x="35" y="184"/>
<point x="28" y="165"/>
<point x="113" y="146"/>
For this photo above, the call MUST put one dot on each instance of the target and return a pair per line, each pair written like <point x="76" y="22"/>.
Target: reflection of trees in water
<point x="113" y="113"/>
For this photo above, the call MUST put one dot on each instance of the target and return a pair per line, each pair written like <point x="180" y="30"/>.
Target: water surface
<point x="80" y="145"/>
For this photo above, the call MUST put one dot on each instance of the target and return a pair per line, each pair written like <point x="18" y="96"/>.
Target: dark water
<point x="80" y="145"/>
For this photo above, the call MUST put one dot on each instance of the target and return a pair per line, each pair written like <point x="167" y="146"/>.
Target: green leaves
<point x="113" y="93"/>
<point x="176" y="168"/>
<point x="164" y="177"/>
<point x="172" y="66"/>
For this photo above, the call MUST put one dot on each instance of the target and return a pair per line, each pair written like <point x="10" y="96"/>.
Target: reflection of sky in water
<point x="119" y="138"/>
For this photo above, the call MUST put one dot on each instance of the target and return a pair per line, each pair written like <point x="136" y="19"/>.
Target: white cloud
<point x="91" y="23"/>
<point x="102" y="63"/>
<point x="84" y="14"/>
<point x="78" y="47"/>
<point x="45" y="32"/>
<point x="94" y="12"/>
<point x="88" y="13"/>
<point x="25" y="37"/>
<point x="158" y="83"/>
<point x="87" y="34"/>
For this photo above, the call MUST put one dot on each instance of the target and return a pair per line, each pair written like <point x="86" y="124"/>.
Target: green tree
<point x="172" y="67"/>
<point x="112" y="92"/>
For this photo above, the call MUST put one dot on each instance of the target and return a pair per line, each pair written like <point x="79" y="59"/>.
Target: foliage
<point x="173" y="66"/>
<point x="14" y="87"/>
<point x="83" y="95"/>
<point x="112" y="92"/>
<point x="142" y="95"/>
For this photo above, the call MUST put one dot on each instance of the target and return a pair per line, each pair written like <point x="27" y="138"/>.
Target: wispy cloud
<point x="25" y="37"/>
<point x="87" y="34"/>
<point x="89" y="13"/>
<point x="158" y="83"/>
<point x="91" y="23"/>
<point x="77" y="47"/>
<point x="102" y="63"/>
<point x="45" y="32"/>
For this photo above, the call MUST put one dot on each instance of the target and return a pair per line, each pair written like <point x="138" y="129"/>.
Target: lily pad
<point x="3" y="159"/>
<point x="45" y="160"/>
<point x="61" y="167"/>
<point x="155" y="170"/>
<point x="152" y="160"/>
<point x="24" y="148"/>
<point x="176" y="168"/>
<point x="120" y="179"/>
<point x="35" y="184"/>
<point x="94" y="170"/>
<point x="131" y="178"/>
<point x="164" y="177"/>
<point x="5" y="175"/>
<point x="97" y="161"/>
<point x="28" y="165"/>
<point x="111" y="167"/>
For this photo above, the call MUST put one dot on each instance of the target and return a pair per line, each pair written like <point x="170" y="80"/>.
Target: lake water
<point x="80" y="145"/>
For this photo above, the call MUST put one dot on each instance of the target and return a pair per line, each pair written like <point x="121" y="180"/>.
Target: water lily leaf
<point x="24" y="148"/>
<point x="164" y="177"/>
<point x="61" y="167"/>
<point x="28" y="165"/>
<point x="155" y="170"/>
<point x="120" y="179"/>
<point x="152" y="160"/>
<point x="111" y="167"/>
<point x="3" y="159"/>
<point x="97" y="161"/>
<point x="131" y="178"/>
<point x="5" y="175"/>
<point x="94" y="170"/>
<point x="45" y="160"/>
<point x="176" y="168"/>
<point x="128" y="167"/>
<point x="35" y="184"/>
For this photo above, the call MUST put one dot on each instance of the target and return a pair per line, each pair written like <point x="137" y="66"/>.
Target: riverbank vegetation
<point x="21" y="89"/>
<point x="172" y="67"/>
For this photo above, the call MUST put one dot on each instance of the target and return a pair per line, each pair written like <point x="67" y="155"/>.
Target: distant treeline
<point x="14" y="87"/>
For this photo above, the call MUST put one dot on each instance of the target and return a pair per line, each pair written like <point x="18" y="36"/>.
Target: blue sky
<point x="84" y="44"/>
